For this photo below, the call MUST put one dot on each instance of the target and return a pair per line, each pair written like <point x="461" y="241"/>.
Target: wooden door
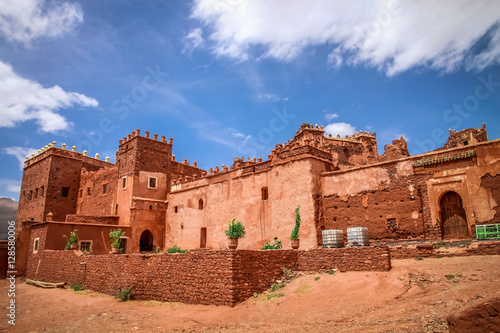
<point x="454" y="220"/>
<point x="203" y="238"/>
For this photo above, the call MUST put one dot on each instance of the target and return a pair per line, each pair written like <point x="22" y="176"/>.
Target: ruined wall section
<point x="466" y="137"/>
<point x="398" y="149"/>
<point x="388" y="199"/>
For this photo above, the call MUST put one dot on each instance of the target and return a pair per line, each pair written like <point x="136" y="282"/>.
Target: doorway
<point x="203" y="238"/>
<point x="146" y="242"/>
<point x="454" y="220"/>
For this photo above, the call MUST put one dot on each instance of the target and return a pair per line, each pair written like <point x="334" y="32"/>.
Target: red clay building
<point x="338" y="182"/>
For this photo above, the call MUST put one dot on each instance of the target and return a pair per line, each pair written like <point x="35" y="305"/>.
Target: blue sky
<point x="232" y="78"/>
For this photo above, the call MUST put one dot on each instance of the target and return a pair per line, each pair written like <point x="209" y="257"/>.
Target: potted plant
<point x="295" y="232"/>
<point x="234" y="231"/>
<point x="116" y="235"/>
<point x="72" y="240"/>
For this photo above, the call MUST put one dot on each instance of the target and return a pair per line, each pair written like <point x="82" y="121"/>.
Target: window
<point x="36" y="192"/>
<point x="36" y="244"/>
<point x="466" y="143"/>
<point x="80" y="193"/>
<point x="65" y="192"/>
<point x="42" y="191"/>
<point x="116" y="209"/>
<point x="176" y="209"/>
<point x="85" y="246"/>
<point x="104" y="188"/>
<point x="124" y="182"/>
<point x="150" y="207"/>
<point x="88" y="190"/>
<point x="151" y="182"/>
<point x="30" y="195"/>
<point x="200" y="204"/>
<point x="265" y="193"/>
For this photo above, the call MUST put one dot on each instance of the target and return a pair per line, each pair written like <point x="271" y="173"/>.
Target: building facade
<point x="338" y="183"/>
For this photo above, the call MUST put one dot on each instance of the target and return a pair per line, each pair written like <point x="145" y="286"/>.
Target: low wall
<point x="430" y="250"/>
<point x="198" y="276"/>
<point x="92" y="219"/>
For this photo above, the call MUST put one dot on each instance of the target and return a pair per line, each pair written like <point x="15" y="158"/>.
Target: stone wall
<point x="198" y="277"/>
<point x="439" y="251"/>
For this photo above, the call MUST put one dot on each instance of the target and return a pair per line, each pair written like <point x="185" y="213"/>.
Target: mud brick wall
<point x="197" y="277"/>
<point x="429" y="250"/>
<point x="255" y="271"/>
<point x="92" y="200"/>
<point x="346" y="259"/>
<point x="95" y="219"/>
<point x="492" y="183"/>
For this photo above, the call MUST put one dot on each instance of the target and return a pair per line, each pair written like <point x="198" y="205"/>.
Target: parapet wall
<point x="199" y="276"/>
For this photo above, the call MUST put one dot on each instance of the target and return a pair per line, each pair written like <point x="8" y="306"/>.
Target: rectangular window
<point x="85" y="246"/>
<point x="265" y="193"/>
<point x="124" y="182"/>
<point x="80" y="193"/>
<point x="88" y="190"/>
<point x="104" y="188"/>
<point x="36" y="193"/>
<point x="42" y="191"/>
<point x="35" y="245"/>
<point x="151" y="182"/>
<point x="65" y="192"/>
<point x="30" y="195"/>
<point x="176" y="209"/>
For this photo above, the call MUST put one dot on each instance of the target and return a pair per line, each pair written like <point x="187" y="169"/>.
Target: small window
<point x="124" y="182"/>
<point x="151" y="182"/>
<point x="35" y="245"/>
<point x="30" y="195"/>
<point x="42" y="191"/>
<point x="176" y="209"/>
<point x="265" y="193"/>
<point x="88" y="190"/>
<point x="80" y="193"/>
<point x="86" y="246"/>
<point x="104" y="188"/>
<point x="200" y="204"/>
<point x="36" y="192"/>
<point x="65" y="192"/>
<point x="24" y="193"/>
<point x="116" y="209"/>
<point x="150" y="207"/>
<point x="466" y="143"/>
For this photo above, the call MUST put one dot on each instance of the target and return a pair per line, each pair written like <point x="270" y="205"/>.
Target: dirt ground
<point x="415" y="296"/>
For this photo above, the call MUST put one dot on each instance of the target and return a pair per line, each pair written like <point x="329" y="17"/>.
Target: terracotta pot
<point x="115" y="250"/>
<point x="233" y="243"/>
<point x="72" y="246"/>
<point x="295" y="243"/>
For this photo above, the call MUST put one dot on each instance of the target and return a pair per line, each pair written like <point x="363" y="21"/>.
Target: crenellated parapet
<point x="51" y="149"/>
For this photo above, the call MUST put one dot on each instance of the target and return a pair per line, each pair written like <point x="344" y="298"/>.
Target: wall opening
<point x="65" y="192"/>
<point x="203" y="238"/>
<point x="146" y="242"/>
<point x="200" y="204"/>
<point x="116" y="209"/>
<point x="453" y="217"/>
<point x="265" y="193"/>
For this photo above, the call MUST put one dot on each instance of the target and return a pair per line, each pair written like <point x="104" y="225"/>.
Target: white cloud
<point x="22" y="100"/>
<point x="392" y="36"/>
<point x="271" y="97"/>
<point x="194" y="39"/>
<point x="331" y="116"/>
<point x="25" y="20"/>
<point x="342" y="129"/>
<point x="14" y="188"/>
<point x="20" y="153"/>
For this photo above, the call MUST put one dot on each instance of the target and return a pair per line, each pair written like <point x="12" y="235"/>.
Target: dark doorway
<point x="146" y="243"/>
<point x="454" y="220"/>
<point x="203" y="238"/>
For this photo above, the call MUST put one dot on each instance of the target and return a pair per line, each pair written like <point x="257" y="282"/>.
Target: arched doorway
<point x="453" y="218"/>
<point x="146" y="242"/>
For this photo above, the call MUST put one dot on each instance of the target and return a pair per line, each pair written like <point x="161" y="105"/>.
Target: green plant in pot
<point x="72" y="240"/>
<point x="295" y="236"/>
<point x="234" y="231"/>
<point x="116" y="235"/>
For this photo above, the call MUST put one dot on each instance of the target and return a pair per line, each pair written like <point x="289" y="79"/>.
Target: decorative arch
<point x="146" y="241"/>
<point x="453" y="216"/>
